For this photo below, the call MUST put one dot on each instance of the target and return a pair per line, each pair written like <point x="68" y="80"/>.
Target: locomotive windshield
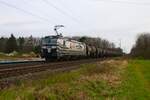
<point x="49" y="40"/>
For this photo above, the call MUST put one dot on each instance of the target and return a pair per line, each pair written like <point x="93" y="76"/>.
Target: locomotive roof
<point x="53" y="36"/>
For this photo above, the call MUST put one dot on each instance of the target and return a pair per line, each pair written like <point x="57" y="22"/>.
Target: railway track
<point x="14" y="65"/>
<point x="12" y="70"/>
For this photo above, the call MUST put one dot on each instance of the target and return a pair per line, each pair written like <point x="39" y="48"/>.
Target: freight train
<point x="57" y="48"/>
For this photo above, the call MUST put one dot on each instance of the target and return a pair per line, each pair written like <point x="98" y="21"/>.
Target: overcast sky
<point x="115" y="20"/>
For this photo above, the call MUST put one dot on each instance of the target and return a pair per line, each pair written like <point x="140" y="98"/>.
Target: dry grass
<point x="109" y="71"/>
<point x="91" y="82"/>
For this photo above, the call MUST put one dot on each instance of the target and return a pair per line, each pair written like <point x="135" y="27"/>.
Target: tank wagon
<point x="59" y="48"/>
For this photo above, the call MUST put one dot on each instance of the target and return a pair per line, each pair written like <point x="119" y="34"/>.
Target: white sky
<point x="114" y="20"/>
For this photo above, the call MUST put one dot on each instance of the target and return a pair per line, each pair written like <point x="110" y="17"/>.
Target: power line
<point x="43" y="13"/>
<point x="27" y="12"/>
<point x="61" y="2"/>
<point x="65" y="13"/>
<point x="61" y="11"/>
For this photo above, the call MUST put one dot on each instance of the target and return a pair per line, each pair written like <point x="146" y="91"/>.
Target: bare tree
<point x="142" y="46"/>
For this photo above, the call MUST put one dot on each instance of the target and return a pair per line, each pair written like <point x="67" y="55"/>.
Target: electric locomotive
<point x="58" y="47"/>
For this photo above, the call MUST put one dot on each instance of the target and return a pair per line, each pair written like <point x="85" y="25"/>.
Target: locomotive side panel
<point x="72" y="48"/>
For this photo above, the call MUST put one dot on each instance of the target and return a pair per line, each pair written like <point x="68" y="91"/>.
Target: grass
<point x="17" y="56"/>
<point x="136" y="81"/>
<point x="108" y="80"/>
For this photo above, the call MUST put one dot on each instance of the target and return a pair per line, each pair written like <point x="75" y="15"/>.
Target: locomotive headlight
<point x="43" y="47"/>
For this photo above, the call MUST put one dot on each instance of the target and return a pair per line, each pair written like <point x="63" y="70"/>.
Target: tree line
<point x="21" y="44"/>
<point x="31" y="44"/>
<point x="142" y="46"/>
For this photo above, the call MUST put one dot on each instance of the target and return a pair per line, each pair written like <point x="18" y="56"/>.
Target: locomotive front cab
<point x="49" y="47"/>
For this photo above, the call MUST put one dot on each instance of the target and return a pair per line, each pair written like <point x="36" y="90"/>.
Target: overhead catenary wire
<point x="41" y="12"/>
<point x="61" y="2"/>
<point x="61" y="11"/>
<point x="25" y="11"/>
<point x="51" y="4"/>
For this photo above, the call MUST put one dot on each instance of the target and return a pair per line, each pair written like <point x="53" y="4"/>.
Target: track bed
<point x="13" y="70"/>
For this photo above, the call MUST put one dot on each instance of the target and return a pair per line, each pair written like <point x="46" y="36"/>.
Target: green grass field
<point x="136" y="84"/>
<point x="108" y="80"/>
